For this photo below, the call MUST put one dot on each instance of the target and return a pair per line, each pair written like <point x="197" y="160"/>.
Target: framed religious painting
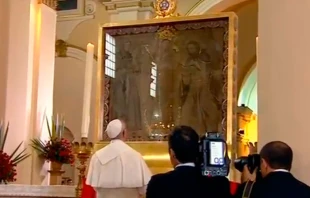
<point x="160" y="73"/>
<point x="70" y="8"/>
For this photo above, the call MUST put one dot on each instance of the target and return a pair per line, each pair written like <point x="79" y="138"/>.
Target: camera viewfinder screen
<point x="216" y="153"/>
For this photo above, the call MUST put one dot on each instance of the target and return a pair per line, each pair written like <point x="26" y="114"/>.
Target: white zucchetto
<point x="114" y="128"/>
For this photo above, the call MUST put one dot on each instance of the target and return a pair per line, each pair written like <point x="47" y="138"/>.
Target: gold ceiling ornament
<point x="50" y="3"/>
<point x="165" y="8"/>
<point x="61" y="48"/>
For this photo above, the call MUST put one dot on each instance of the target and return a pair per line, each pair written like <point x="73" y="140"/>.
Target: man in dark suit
<point x="186" y="180"/>
<point x="276" y="162"/>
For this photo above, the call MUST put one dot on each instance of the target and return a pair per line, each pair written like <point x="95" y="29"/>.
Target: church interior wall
<point x="184" y="6"/>
<point x="248" y="92"/>
<point x="247" y="33"/>
<point x="87" y="32"/>
<point x="248" y="97"/>
<point x="4" y="33"/>
<point x="247" y="12"/>
<point x="68" y="90"/>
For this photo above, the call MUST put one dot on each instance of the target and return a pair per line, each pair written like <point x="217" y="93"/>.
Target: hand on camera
<point x="246" y="175"/>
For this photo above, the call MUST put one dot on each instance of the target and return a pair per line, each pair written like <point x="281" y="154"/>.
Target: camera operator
<point x="186" y="180"/>
<point x="275" y="163"/>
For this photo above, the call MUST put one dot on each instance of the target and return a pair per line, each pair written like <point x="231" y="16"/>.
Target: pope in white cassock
<point x="117" y="170"/>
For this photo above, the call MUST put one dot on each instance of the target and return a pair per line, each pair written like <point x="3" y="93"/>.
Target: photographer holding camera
<point x="275" y="162"/>
<point x="186" y="180"/>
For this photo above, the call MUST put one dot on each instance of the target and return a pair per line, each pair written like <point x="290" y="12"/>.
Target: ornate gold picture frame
<point x="195" y="61"/>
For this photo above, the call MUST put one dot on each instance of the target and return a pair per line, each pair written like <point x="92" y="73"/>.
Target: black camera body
<point x="214" y="160"/>
<point x="252" y="161"/>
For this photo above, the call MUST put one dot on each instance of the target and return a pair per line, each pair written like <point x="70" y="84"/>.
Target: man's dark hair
<point x="184" y="141"/>
<point x="278" y="155"/>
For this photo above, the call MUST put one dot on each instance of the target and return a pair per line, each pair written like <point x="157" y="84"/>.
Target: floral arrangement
<point x="56" y="149"/>
<point x="8" y="163"/>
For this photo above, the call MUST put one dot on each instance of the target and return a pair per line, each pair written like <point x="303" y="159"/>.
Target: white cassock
<point x="118" y="171"/>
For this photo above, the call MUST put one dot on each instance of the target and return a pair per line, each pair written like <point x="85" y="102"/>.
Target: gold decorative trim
<point x="61" y="48"/>
<point x="165" y="8"/>
<point x="50" y="3"/>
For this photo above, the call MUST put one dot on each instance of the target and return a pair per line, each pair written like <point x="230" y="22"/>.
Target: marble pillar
<point x="21" y="53"/>
<point x="29" y="77"/>
<point x="42" y="106"/>
<point x="4" y="33"/>
<point x="283" y="78"/>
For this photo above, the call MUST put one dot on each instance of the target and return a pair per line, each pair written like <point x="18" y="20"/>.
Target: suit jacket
<point x="187" y="182"/>
<point x="278" y="184"/>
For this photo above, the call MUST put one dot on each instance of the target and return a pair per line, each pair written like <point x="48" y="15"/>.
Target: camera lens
<point x="240" y="163"/>
<point x="252" y="161"/>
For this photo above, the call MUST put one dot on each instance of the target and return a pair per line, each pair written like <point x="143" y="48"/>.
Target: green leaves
<point x="38" y="145"/>
<point x="50" y="150"/>
<point x="3" y="134"/>
<point x="14" y="157"/>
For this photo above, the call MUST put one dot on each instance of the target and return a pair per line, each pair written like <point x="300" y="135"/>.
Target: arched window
<point x="248" y="93"/>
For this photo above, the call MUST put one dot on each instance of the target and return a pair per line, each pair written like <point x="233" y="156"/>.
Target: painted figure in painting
<point x="125" y="88"/>
<point x="197" y="104"/>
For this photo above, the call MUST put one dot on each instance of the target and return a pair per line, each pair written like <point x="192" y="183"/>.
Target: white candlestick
<point x="87" y="90"/>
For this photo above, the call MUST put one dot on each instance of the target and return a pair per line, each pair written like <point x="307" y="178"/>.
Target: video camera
<point x="214" y="160"/>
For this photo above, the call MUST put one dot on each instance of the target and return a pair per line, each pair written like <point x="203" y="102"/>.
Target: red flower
<point x="59" y="150"/>
<point x="7" y="168"/>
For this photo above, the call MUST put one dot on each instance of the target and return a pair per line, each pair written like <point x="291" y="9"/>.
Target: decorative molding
<point x="111" y="5"/>
<point x="36" y="191"/>
<point x="50" y="3"/>
<point x="165" y="8"/>
<point x="245" y="113"/>
<point x="72" y="51"/>
<point x="203" y="7"/>
<point x="192" y="8"/>
<point x="61" y="48"/>
<point x="66" y="25"/>
<point x="90" y="8"/>
<point x="77" y="54"/>
<point x="67" y="21"/>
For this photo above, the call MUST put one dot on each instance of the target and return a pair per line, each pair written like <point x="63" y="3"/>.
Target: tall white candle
<point x="256" y="47"/>
<point x="87" y="90"/>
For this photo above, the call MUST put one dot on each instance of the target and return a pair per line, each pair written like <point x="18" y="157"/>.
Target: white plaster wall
<point x="283" y="78"/>
<point x="69" y="90"/>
